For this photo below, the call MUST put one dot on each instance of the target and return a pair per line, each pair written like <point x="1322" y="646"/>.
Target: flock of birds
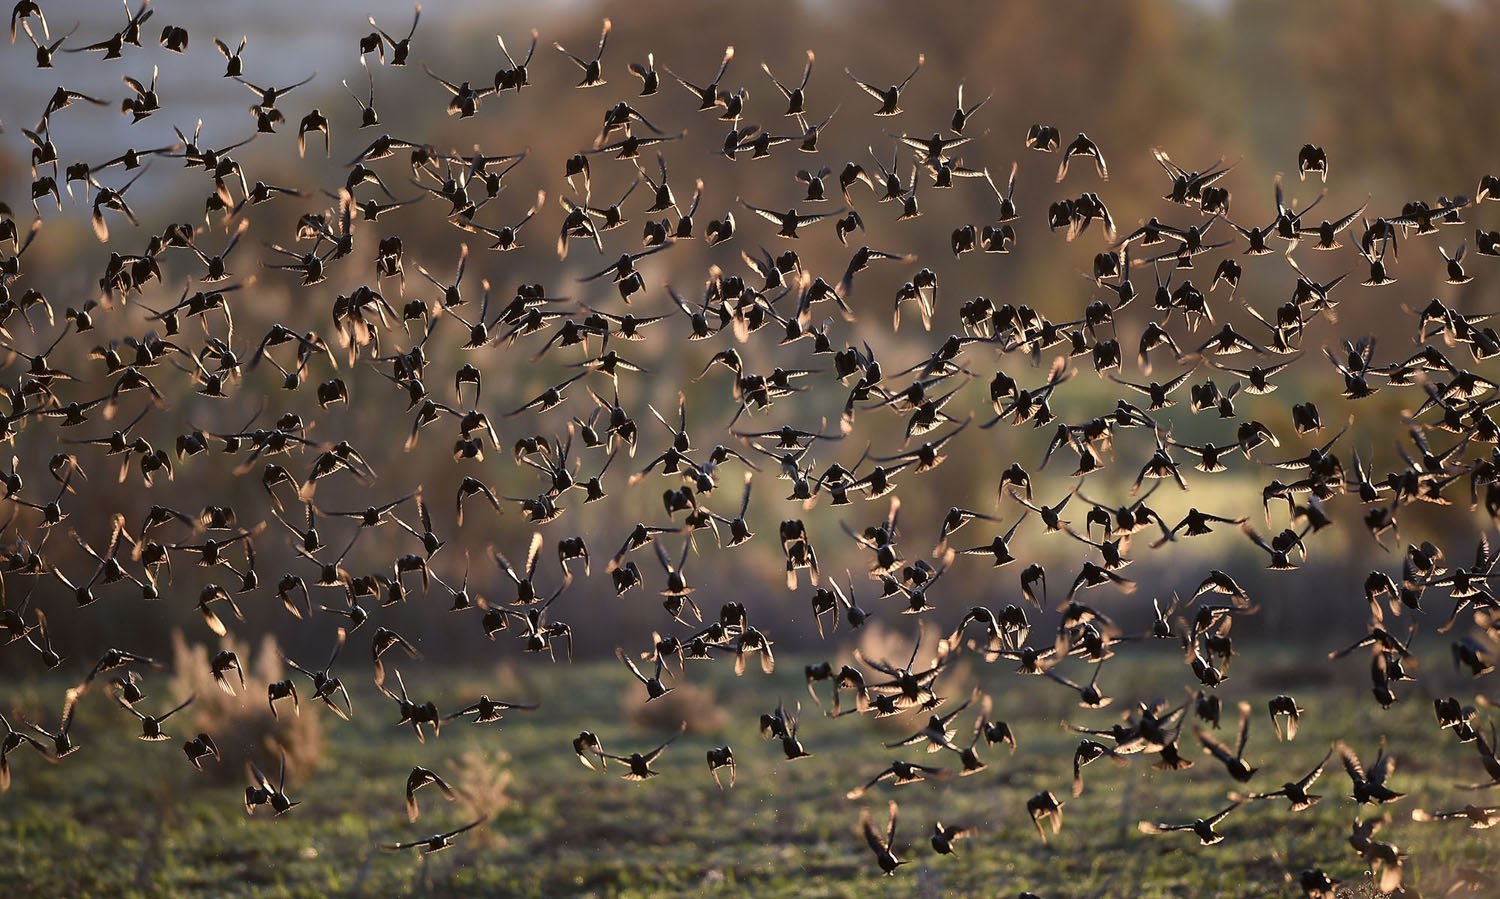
<point x="753" y="296"/>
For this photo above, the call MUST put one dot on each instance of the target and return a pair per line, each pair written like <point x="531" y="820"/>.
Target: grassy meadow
<point x="149" y="825"/>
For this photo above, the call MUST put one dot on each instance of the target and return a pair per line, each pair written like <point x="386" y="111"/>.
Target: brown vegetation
<point x="242" y="724"/>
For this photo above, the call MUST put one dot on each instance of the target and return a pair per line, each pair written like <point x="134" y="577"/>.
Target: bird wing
<point x="871" y="836"/>
<point x="1352" y="765"/>
<point x="868" y="88"/>
<point x="1315" y="773"/>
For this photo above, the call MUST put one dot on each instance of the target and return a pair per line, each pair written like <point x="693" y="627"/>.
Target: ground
<point x="130" y="818"/>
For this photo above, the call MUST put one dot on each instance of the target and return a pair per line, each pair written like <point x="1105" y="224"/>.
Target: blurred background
<point x="1400" y="94"/>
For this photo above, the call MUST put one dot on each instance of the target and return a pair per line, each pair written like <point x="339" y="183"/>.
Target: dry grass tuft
<point x="242" y="725"/>
<point x="698" y="706"/>
<point x="483" y="779"/>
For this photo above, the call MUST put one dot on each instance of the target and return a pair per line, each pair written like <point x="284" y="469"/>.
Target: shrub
<point x="483" y="782"/>
<point x="242" y="725"/>
<point x="698" y="706"/>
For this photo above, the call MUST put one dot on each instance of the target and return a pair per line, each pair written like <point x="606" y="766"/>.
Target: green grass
<point x="126" y="818"/>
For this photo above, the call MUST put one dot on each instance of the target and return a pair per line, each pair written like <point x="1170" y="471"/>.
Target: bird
<point x="1043" y="807"/>
<point x="1479" y="817"/>
<point x="22" y="13"/>
<point x="1311" y="159"/>
<point x="1283" y="706"/>
<point x="434" y="842"/>
<point x="721" y="757"/>
<point x="638" y="765"/>
<point x="655" y="689"/>
<point x="62" y="741"/>
<point x="1295" y="792"/>
<point x="882" y="846"/>
<point x="943" y="837"/>
<point x="1202" y="828"/>
<point x="936" y="732"/>
<point x="151" y="724"/>
<point x="419" y="778"/>
<point x="1082" y="146"/>
<point x="1369" y="785"/>
<point x="593" y="69"/>
<point x="488" y="711"/>
<point x="788" y="222"/>
<point x="199" y="748"/>
<point x="10" y="742"/>
<point x="889" y="97"/>
<point x="263" y="792"/>
<point x="650" y="78"/>
<point x="1042" y="138"/>
<point x="326" y="686"/>
<point x="466" y="98"/>
<point x="587" y="742"/>
<point x="899" y="773"/>
<point x="1233" y="760"/>
<point x="400" y="47"/>
<point x="234" y="64"/>
<point x="708" y="95"/>
<point x="796" y="97"/>
<point x="962" y="114"/>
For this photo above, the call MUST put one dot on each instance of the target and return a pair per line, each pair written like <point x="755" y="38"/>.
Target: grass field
<point x="130" y="818"/>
